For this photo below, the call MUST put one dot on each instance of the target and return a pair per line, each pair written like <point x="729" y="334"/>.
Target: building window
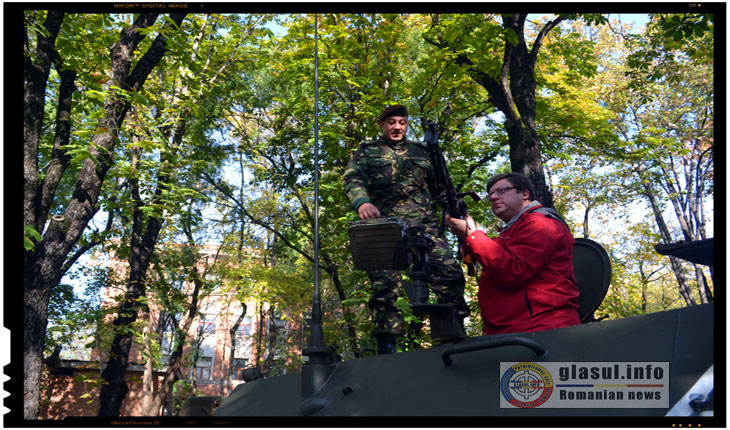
<point x="167" y="328"/>
<point x="245" y="328"/>
<point x="239" y="365"/>
<point x="206" y="325"/>
<point x="204" y="368"/>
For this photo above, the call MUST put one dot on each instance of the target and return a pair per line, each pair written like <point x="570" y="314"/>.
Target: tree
<point x="278" y="150"/>
<point x="44" y="259"/>
<point x="641" y="282"/>
<point x="666" y="125"/>
<point x="166" y="128"/>
<point x="231" y="358"/>
<point x="661" y="154"/>
<point x="593" y="195"/>
<point x="201" y="288"/>
<point x="580" y="136"/>
<point x="499" y="59"/>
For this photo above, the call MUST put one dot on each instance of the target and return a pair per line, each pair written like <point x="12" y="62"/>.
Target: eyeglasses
<point x="500" y="191"/>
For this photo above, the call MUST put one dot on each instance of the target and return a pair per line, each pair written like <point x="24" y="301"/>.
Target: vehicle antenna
<point x="321" y="359"/>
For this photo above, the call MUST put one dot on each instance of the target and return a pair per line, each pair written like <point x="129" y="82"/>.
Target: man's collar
<point x="514" y="219"/>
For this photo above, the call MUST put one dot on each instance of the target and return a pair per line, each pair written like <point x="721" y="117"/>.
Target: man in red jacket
<point x="527" y="281"/>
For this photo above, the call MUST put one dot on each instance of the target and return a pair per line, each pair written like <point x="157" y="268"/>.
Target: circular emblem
<point x="526" y="385"/>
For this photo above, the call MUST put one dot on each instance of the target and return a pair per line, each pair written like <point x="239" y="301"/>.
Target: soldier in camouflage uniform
<point x="392" y="176"/>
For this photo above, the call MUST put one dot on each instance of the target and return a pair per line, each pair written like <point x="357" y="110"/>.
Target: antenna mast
<point x="321" y="359"/>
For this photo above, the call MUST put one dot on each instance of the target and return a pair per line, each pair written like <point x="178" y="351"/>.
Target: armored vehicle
<point x="658" y="366"/>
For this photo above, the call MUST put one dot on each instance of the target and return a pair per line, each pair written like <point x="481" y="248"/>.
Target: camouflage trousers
<point x="447" y="285"/>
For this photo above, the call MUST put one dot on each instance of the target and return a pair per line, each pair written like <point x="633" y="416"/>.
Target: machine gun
<point x="392" y="244"/>
<point x="453" y="203"/>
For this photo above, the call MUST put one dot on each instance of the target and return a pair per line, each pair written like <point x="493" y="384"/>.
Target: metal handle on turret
<point x="492" y="343"/>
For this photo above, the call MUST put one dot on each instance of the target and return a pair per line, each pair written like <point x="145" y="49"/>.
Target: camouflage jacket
<point x="396" y="177"/>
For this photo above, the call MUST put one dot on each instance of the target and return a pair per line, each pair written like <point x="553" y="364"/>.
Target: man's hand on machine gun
<point x="460" y="227"/>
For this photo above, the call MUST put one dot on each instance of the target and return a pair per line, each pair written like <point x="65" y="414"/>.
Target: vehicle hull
<point x="420" y="383"/>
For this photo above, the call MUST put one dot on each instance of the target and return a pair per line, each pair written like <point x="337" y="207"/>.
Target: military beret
<point x="394" y="110"/>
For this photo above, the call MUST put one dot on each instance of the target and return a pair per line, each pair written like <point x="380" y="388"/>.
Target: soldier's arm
<point x="355" y="183"/>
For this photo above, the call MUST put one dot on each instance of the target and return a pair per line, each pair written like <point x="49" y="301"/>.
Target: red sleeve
<point x="518" y="254"/>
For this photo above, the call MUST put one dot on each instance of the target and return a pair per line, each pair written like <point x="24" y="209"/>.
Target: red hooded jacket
<point x="527" y="281"/>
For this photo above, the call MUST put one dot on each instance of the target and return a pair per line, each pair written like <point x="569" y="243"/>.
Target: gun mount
<point x="391" y="244"/>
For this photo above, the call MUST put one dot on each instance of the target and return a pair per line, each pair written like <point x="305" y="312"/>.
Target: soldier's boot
<point x="386" y="343"/>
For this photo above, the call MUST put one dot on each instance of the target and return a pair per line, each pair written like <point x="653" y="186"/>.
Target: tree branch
<point x="34" y="90"/>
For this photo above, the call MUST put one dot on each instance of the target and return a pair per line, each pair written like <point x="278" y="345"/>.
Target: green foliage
<point x="670" y="39"/>
<point x="641" y="282"/>
<point x="76" y="318"/>
<point x="30" y="237"/>
<point x="182" y="390"/>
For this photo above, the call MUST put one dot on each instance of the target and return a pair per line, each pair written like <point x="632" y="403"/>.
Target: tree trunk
<point x="260" y="335"/>
<point x="685" y="213"/>
<point x="231" y="357"/>
<point x="175" y="363"/>
<point x="682" y="283"/>
<point x="586" y="230"/>
<point x="147" y="378"/>
<point x="34" y="92"/>
<point x="644" y="286"/>
<point x="141" y="248"/>
<point x="271" y="335"/>
<point x="514" y="95"/>
<point x="36" y="291"/>
<point x="44" y="265"/>
<point x="114" y="390"/>
<point x="60" y="159"/>
<point x="704" y="289"/>
<point x="331" y="268"/>
<point x="176" y="358"/>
